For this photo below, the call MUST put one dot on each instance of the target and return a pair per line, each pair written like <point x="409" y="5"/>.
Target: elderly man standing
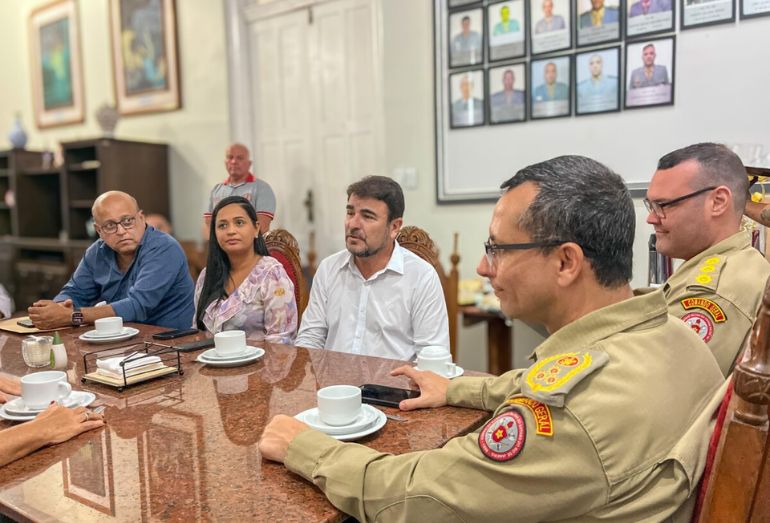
<point x="241" y="182"/>
<point x="141" y="274"/>
<point x="375" y="297"/>
<point x="566" y="441"/>
<point x="695" y="201"/>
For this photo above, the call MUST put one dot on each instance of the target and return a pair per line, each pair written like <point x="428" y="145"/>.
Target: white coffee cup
<point x="339" y="404"/>
<point x="229" y="342"/>
<point x="437" y="359"/>
<point x="41" y="388"/>
<point x="109" y="326"/>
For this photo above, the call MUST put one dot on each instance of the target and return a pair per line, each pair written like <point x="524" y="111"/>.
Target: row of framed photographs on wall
<point x="509" y="29"/>
<point x="591" y="82"/>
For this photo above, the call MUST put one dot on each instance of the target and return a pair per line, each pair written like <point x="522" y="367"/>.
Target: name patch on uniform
<point x="540" y="411"/>
<point x="700" y="323"/>
<point x="716" y="312"/>
<point x="503" y="437"/>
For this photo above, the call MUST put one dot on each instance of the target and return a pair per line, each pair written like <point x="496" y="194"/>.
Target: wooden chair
<point x="419" y="242"/>
<point x="736" y="483"/>
<point x="284" y="248"/>
<point x="197" y="256"/>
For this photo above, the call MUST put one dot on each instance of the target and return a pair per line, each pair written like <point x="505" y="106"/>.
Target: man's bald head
<point x="237" y="162"/>
<point x="108" y="199"/>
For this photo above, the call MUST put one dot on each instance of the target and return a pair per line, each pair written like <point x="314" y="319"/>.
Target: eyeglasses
<point x="127" y="222"/>
<point x="492" y="249"/>
<point x="657" y="207"/>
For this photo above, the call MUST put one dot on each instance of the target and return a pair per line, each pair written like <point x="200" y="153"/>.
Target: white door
<point x="316" y="88"/>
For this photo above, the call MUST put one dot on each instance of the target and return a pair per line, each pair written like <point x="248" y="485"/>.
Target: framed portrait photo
<point x="57" y="74"/>
<point x="754" y="8"/>
<point x="550" y="23"/>
<point x="466" y="37"/>
<point x="598" y="21"/>
<point x="144" y="56"/>
<point x="466" y="99"/>
<point x="647" y="17"/>
<point x="650" y="73"/>
<point x="507" y="93"/>
<point x="597" y="81"/>
<point x="507" y="30"/>
<point x="550" y="80"/>
<point x="700" y="13"/>
<point x="461" y="3"/>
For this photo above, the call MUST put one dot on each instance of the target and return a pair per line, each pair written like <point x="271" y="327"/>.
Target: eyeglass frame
<point x="490" y="249"/>
<point x="127" y="222"/>
<point x="661" y="213"/>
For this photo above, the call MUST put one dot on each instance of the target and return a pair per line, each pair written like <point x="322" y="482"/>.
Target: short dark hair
<point x="218" y="262"/>
<point x="718" y="165"/>
<point x="580" y="200"/>
<point x="380" y="188"/>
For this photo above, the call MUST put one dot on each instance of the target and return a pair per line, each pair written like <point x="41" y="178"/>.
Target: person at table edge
<point x="612" y="421"/>
<point x="140" y="273"/>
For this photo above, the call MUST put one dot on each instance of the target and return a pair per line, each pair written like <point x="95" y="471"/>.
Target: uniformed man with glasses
<point x="695" y="202"/>
<point x="132" y="271"/>
<point x="611" y="422"/>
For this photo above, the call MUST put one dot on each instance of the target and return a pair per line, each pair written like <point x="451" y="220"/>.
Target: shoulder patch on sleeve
<point x="707" y="272"/>
<point x="711" y="307"/>
<point x="551" y="379"/>
<point x="503" y="437"/>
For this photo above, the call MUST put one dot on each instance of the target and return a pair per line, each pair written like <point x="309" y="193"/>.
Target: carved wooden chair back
<point x="197" y="256"/>
<point x="736" y="483"/>
<point x="284" y="248"/>
<point x="419" y="242"/>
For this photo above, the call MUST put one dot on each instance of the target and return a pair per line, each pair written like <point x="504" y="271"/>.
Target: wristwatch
<point x="77" y="318"/>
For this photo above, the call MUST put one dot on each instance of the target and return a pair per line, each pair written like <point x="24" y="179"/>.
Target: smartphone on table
<point x="170" y="335"/>
<point x="387" y="396"/>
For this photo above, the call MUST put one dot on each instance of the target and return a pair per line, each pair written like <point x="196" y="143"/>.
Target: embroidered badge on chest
<point x="503" y="437"/>
<point x="700" y="323"/>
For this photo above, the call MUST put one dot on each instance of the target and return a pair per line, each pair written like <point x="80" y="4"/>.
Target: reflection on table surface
<point x="184" y="448"/>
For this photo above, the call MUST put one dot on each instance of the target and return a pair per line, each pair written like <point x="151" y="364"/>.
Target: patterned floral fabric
<point x="263" y="305"/>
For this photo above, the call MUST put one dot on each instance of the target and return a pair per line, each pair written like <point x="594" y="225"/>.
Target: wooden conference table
<point x="184" y="448"/>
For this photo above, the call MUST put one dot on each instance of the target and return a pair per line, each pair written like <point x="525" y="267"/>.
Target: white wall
<point x="197" y="134"/>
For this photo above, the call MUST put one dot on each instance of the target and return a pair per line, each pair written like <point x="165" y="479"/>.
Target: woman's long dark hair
<point x="218" y="263"/>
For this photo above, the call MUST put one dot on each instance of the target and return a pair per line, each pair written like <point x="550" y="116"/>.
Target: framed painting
<point x="144" y="56"/>
<point x="57" y="75"/>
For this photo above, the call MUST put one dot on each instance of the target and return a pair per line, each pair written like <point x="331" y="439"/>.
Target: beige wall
<point x="197" y="134"/>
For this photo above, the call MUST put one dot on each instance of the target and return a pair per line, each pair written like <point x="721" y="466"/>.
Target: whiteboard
<point x="722" y="94"/>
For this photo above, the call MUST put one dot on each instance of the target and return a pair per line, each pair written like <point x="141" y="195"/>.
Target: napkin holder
<point x="170" y="363"/>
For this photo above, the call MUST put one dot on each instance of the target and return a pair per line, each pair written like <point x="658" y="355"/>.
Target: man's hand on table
<point x="277" y="436"/>
<point x="47" y="314"/>
<point x="432" y="388"/>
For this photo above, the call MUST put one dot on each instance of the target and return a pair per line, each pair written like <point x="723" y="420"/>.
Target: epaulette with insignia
<point x="707" y="273"/>
<point x="550" y="379"/>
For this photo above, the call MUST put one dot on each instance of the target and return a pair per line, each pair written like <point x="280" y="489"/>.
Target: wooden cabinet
<point x="43" y="233"/>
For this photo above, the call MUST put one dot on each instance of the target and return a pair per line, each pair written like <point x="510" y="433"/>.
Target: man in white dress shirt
<point x="375" y="297"/>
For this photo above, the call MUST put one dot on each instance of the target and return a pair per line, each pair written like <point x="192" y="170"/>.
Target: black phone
<point x="26" y="323"/>
<point x="170" y="335"/>
<point x="384" y="395"/>
<point x="195" y="345"/>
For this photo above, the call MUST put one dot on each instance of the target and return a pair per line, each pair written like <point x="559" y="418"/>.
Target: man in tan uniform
<point x="696" y="200"/>
<point x="611" y="422"/>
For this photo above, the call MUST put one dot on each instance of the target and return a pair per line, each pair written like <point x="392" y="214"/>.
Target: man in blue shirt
<point x="138" y="272"/>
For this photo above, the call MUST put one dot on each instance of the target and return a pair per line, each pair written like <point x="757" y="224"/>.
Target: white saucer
<point x="233" y="363"/>
<point x="76" y="399"/>
<point x="128" y="332"/>
<point x="17" y="406"/>
<point x="212" y="355"/>
<point x="459" y="371"/>
<point x="365" y="418"/>
<point x="94" y="334"/>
